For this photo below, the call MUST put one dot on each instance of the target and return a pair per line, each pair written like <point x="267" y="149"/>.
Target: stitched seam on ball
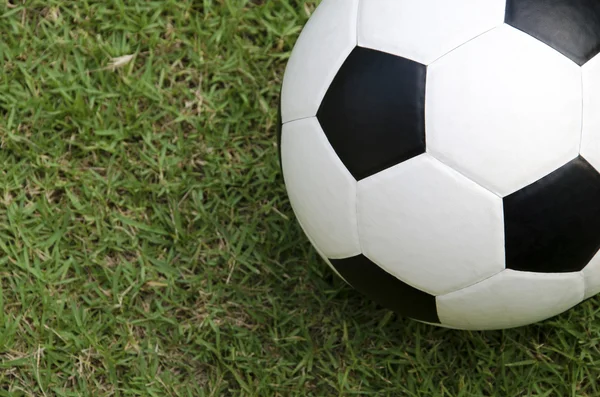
<point x="463" y="44"/>
<point x="471" y="285"/>
<point x="298" y="119"/>
<point x="465" y="176"/>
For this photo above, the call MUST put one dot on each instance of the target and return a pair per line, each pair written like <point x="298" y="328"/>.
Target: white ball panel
<point x="591" y="274"/>
<point x="504" y="110"/>
<point x="590" y="143"/>
<point x="320" y="188"/>
<point x="511" y="299"/>
<point x="431" y="227"/>
<point x="325" y="43"/>
<point x="424" y="30"/>
<point x="321" y="254"/>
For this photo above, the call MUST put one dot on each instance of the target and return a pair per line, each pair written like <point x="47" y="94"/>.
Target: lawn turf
<point x="147" y="247"/>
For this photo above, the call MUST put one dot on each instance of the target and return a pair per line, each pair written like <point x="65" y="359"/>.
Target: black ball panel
<point x="551" y="226"/>
<point x="374" y="111"/>
<point x="387" y="290"/>
<point x="571" y="27"/>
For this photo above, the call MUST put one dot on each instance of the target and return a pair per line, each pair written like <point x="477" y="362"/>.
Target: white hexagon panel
<point x="320" y="188"/>
<point x="413" y="30"/>
<point x="504" y="109"/>
<point x="590" y="142"/>
<point x="320" y="253"/>
<point x="510" y="299"/>
<point x="430" y="227"/>
<point x="326" y="41"/>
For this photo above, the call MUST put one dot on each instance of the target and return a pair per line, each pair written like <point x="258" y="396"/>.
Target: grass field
<point x="147" y="244"/>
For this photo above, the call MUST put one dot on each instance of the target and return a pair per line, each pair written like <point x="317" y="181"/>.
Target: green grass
<point x="147" y="247"/>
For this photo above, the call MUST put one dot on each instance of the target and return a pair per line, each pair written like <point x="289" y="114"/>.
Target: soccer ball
<point x="443" y="156"/>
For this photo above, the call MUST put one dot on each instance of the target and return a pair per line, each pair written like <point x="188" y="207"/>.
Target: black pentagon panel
<point x="571" y="27"/>
<point x="373" y="113"/>
<point x="553" y="225"/>
<point x="387" y="290"/>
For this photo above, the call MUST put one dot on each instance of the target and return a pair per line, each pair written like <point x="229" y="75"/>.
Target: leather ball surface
<point x="443" y="156"/>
